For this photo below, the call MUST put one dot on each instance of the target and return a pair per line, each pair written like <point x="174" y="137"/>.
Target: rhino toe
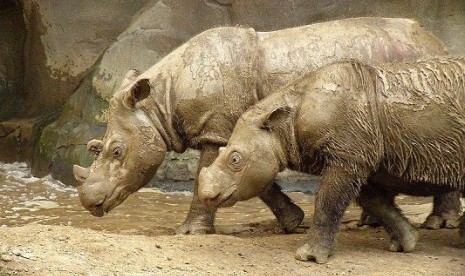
<point x="405" y="243"/>
<point x="197" y="225"/>
<point x="434" y="222"/>
<point x="368" y="219"/>
<point x="195" y="229"/>
<point x="312" y="252"/>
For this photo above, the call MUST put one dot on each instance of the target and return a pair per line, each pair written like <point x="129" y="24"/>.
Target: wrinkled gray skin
<point x="371" y="132"/>
<point x="193" y="97"/>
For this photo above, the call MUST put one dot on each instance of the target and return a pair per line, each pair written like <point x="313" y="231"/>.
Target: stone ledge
<point x="19" y="136"/>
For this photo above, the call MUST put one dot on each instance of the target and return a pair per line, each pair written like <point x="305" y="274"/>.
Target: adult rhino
<point x="193" y="97"/>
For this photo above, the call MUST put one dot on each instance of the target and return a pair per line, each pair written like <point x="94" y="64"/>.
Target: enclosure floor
<point x="45" y="231"/>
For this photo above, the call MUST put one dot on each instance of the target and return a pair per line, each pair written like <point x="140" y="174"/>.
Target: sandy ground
<point x="247" y="242"/>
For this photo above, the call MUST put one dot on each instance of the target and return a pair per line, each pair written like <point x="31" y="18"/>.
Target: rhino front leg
<point x="446" y="212"/>
<point x="338" y="188"/>
<point x="288" y="214"/>
<point x="200" y="219"/>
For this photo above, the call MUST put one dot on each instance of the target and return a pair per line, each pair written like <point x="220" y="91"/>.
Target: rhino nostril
<point x="214" y="198"/>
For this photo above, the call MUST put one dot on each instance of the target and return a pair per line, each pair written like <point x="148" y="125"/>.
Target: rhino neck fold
<point x="288" y="152"/>
<point x="290" y="147"/>
<point x="159" y="109"/>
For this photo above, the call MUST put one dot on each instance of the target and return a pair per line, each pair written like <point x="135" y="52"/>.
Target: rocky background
<point x="61" y="60"/>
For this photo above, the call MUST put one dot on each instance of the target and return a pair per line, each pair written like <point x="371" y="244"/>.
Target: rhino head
<point x="251" y="160"/>
<point x="129" y="154"/>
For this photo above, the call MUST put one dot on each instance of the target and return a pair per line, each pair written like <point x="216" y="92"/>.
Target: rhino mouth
<point x="97" y="211"/>
<point x="226" y="199"/>
<point x="106" y="204"/>
<point x="116" y="198"/>
<point x="103" y="208"/>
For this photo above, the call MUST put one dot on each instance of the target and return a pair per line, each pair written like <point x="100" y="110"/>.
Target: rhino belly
<point x="398" y="185"/>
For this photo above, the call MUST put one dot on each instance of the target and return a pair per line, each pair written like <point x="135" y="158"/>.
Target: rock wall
<point x="61" y="43"/>
<point x="12" y="37"/>
<point x="64" y="39"/>
<point x="75" y="53"/>
<point x="12" y="34"/>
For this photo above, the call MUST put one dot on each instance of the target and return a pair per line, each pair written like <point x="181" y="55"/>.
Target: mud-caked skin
<point x="372" y="132"/>
<point x="193" y="97"/>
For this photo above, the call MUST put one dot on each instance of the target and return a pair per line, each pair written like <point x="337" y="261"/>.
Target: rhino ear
<point x="138" y="92"/>
<point x="95" y="146"/>
<point x="276" y="118"/>
<point x="130" y="76"/>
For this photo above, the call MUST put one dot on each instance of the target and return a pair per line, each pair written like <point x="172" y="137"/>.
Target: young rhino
<point x="371" y="132"/>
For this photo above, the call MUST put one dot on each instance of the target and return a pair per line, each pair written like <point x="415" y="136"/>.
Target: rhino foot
<point x="195" y="229"/>
<point x="197" y="223"/>
<point x="367" y="219"/>
<point x="405" y="243"/>
<point x="446" y="211"/>
<point x="287" y="213"/>
<point x="312" y="252"/>
<point x="445" y="220"/>
<point x="291" y="219"/>
<point x="462" y="231"/>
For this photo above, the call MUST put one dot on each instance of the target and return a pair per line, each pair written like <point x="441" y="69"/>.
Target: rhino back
<point x="220" y="73"/>
<point x="214" y="84"/>
<point x="287" y="54"/>
<point x="422" y="116"/>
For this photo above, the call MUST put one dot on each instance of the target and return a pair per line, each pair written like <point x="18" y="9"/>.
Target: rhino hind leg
<point x="403" y="236"/>
<point x="368" y="219"/>
<point x="446" y="212"/>
<point x="462" y="231"/>
<point x="288" y="214"/>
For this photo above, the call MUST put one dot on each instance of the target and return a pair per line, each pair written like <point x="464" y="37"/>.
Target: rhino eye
<point x="235" y="161"/>
<point x="117" y="152"/>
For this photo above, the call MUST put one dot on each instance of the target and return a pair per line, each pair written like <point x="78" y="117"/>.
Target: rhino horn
<point x="80" y="173"/>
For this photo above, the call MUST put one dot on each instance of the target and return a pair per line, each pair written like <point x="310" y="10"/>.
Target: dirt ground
<point x="138" y="239"/>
